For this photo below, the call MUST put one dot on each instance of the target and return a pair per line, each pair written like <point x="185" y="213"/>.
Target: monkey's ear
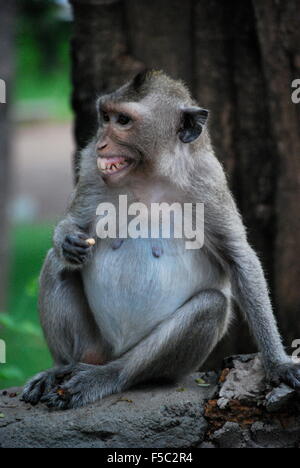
<point x="140" y="79"/>
<point x="193" y="120"/>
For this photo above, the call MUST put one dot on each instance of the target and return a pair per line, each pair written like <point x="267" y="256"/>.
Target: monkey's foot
<point x="288" y="373"/>
<point x="76" y="386"/>
<point x="43" y="383"/>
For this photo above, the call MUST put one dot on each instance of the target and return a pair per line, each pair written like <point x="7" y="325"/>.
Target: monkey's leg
<point x="70" y="331"/>
<point x="176" y="347"/>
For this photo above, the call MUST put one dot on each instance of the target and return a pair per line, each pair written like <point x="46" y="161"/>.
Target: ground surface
<point x="231" y="409"/>
<point x="149" y="417"/>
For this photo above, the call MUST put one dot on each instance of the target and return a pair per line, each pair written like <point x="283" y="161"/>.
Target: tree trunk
<point x="160" y="41"/>
<point x="101" y="60"/>
<point x="279" y="34"/>
<point x="6" y="73"/>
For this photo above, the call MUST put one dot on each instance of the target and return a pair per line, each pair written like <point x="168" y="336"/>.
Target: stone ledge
<point x="166" y="416"/>
<point x="234" y="408"/>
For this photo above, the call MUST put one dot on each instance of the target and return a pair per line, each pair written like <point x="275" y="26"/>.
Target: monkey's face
<point x="119" y="152"/>
<point x="146" y="130"/>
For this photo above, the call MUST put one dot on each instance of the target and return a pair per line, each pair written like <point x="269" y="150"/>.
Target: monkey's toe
<point x="62" y="399"/>
<point x="289" y="374"/>
<point x="55" y="400"/>
<point x="61" y="393"/>
<point x="293" y="377"/>
<point x="37" y="387"/>
<point x="33" y="393"/>
<point x="45" y="383"/>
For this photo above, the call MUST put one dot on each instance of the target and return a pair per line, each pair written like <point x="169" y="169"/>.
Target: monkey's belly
<point x="130" y="291"/>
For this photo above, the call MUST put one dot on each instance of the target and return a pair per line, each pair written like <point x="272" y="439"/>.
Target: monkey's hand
<point x="288" y="373"/>
<point x="76" y="249"/>
<point x="72" y="245"/>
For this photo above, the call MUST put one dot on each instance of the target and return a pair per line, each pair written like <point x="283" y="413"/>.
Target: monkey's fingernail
<point x="91" y="242"/>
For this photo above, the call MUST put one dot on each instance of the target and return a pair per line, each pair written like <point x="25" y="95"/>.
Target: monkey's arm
<point x="227" y="238"/>
<point x="71" y="234"/>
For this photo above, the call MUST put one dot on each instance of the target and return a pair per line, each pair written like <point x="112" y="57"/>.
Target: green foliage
<point x="11" y="374"/>
<point x="27" y="352"/>
<point x="42" y="87"/>
<point x="26" y="327"/>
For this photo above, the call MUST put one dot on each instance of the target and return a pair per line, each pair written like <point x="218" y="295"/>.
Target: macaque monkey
<point x="119" y="312"/>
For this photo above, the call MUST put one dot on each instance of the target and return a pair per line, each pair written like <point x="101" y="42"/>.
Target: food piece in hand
<point x="91" y="242"/>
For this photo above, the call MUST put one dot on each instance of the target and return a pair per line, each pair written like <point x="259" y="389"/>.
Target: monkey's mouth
<point x="113" y="165"/>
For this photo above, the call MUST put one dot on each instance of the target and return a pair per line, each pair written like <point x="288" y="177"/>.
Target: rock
<point x="231" y="435"/>
<point x="246" y="414"/>
<point x="207" y="445"/>
<point x="245" y="382"/>
<point x="156" y="417"/>
<point x="279" y="397"/>
<point x="237" y="410"/>
<point x="275" y="435"/>
<point x="230" y="361"/>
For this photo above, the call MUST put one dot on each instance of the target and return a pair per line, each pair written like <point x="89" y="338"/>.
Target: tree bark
<point x="230" y="82"/>
<point x="279" y="34"/>
<point x="6" y="74"/>
<point x="160" y="40"/>
<point x="213" y="73"/>
<point x="101" y="60"/>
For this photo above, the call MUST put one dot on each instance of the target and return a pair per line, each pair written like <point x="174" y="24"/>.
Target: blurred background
<point x="36" y="176"/>
<point x="238" y="58"/>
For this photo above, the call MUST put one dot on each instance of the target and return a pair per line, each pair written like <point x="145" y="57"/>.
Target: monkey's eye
<point x="105" y="116"/>
<point x="123" y="119"/>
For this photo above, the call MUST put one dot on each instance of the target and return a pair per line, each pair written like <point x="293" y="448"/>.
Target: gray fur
<point x="117" y="314"/>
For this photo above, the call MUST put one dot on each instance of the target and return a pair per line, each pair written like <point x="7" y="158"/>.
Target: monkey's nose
<point x="101" y="146"/>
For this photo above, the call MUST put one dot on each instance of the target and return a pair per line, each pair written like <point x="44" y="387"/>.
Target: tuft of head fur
<point x="149" y="81"/>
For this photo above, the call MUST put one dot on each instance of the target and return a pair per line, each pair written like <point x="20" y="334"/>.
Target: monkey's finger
<point x="82" y="235"/>
<point x="76" y="260"/>
<point x="79" y="242"/>
<point x="73" y="249"/>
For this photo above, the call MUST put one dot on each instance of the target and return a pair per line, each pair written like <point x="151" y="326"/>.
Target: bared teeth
<point x="110" y="167"/>
<point x="102" y="164"/>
